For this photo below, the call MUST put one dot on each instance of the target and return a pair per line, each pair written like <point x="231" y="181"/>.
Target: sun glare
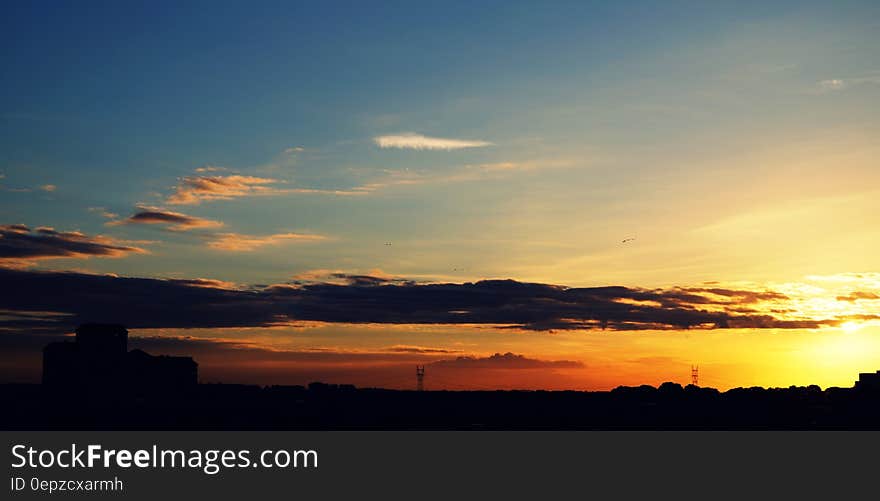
<point x="851" y="326"/>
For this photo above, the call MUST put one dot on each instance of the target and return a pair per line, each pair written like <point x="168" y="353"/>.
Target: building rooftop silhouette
<point x="98" y="360"/>
<point x="868" y="381"/>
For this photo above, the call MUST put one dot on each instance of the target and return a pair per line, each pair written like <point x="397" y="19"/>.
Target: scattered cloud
<point x="21" y="246"/>
<point x="419" y="349"/>
<point x="339" y="277"/>
<point x="230" y="351"/>
<point x="103" y="212"/>
<point x="506" y="361"/>
<point x="355" y="191"/>
<point x="391" y="178"/>
<point x="30" y="320"/>
<point x="859" y="295"/>
<point x="211" y="168"/>
<point x="192" y="190"/>
<point x="294" y="149"/>
<point x="48" y="188"/>
<point x="236" y="242"/>
<point x="175" y="221"/>
<point x="832" y="84"/>
<point x="413" y="141"/>
<point x="204" y="282"/>
<point x="740" y="296"/>
<point x="836" y="84"/>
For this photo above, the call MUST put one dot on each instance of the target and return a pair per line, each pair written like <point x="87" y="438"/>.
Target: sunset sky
<point x="515" y="194"/>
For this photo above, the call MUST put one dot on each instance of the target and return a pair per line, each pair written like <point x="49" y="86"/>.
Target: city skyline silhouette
<point x="95" y="382"/>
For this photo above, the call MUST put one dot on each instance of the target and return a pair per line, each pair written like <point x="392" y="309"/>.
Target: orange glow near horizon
<point x="383" y="354"/>
<point x="727" y="359"/>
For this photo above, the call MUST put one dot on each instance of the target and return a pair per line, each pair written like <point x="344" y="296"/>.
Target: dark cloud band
<point x="20" y="245"/>
<point x="168" y="303"/>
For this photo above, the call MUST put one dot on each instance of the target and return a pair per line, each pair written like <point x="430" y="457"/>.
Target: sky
<point x="548" y="195"/>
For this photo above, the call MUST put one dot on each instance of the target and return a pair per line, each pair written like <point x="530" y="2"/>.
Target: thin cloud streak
<point x="236" y="242"/>
<point x="192" y="190"/>
<point x="413" y="141"/>
<point x="506" y="361"/>
<point x="103" y="212"/>
<point x="837" y="84"/>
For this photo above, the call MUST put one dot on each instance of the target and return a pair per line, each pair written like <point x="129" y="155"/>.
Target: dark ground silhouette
<point x="323" y="406"/>
<point x="95" y="383"/>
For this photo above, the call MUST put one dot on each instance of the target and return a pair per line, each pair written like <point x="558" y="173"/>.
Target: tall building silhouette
<point x="868" y="381"/>
<point x="98" y="360"/>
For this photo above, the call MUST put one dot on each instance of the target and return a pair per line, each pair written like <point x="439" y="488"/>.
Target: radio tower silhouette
<point x="420" y="378"/>
<point x="695" y="375"/>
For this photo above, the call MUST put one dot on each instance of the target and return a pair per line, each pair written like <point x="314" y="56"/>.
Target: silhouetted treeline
<point x="324" y="406"/>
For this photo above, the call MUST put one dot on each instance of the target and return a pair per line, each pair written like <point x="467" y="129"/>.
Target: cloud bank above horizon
<point x="356" y="299"/>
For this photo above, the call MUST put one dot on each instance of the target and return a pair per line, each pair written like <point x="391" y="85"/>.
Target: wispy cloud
<point x="403" y="348"/>
<point x="49" y="188"/>
<point x="859" y="296"/>
<point x="835" y="84"/>
<point x="236" y="242"/>
<point x="103" y="212"/>
<point x="506" y="361"/>
<point x="340" y="277"/>
<point x="832" y="84"/>
<point x="390" y="178"/>
<point x="413" y="141"/>
<point x="209" y="283"/>
<point x="20" y="246"/>
<point x="211" y="168"/>
<point x="175" y="221"/>
<point x="192" y="190"/>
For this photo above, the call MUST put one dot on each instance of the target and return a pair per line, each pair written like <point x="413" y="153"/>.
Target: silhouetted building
<point x="869" y="381"/>
<point x="99" y="360"/>
<point x="145" y="372"/>
<point x="102" y="339"/>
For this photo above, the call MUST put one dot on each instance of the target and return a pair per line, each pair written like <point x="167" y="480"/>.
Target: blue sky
<point x="113" y="102"/>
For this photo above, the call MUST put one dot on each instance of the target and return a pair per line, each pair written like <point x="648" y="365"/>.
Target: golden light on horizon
<point x="845" y="308"/>
<point x="851" y="326"/>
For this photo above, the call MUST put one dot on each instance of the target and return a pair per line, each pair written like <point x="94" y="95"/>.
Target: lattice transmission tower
<point x="420" y="378"/>
<point x="695" y="375"/>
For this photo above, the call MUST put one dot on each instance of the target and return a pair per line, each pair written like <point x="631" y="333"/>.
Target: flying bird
<point x="625" y="240"/>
